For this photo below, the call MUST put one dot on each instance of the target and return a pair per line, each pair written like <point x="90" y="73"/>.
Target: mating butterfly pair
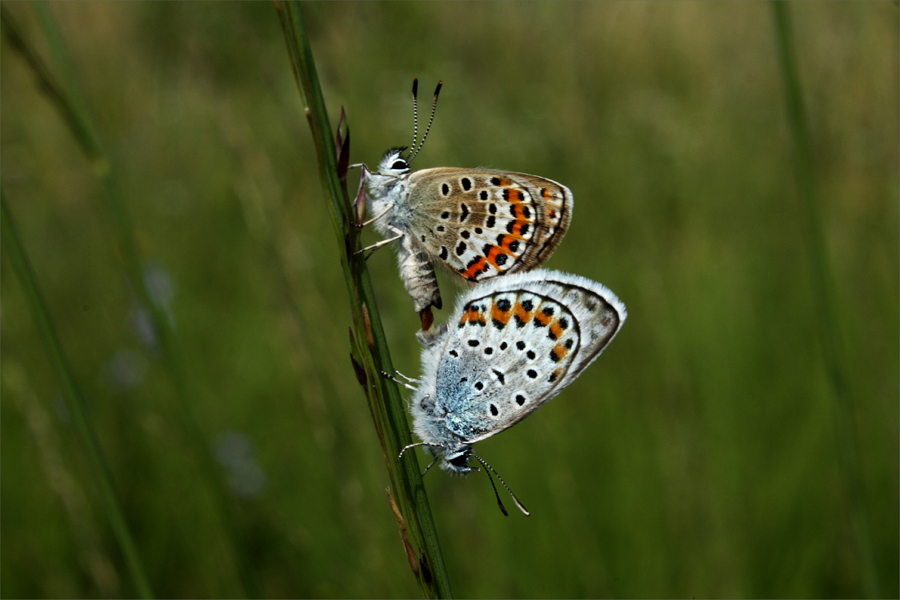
<point x="516" y="340"/>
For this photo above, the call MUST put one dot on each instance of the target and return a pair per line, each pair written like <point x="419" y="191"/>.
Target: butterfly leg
<point x="375" y="218"/>
<point x="409" y="379"/>
<point x="431" y="464"/>
<point x="402" y="452"/>
<point x="403" y="383"/>
<point x="371" y="249"/>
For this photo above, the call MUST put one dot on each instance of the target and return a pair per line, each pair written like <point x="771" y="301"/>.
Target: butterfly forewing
<point x="482" y="223"/>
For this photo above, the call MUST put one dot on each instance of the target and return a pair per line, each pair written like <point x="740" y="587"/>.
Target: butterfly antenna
<point x="516" y="500"/>
<point x="415" y="112"/>
<point x="437" y="91"/>
<point x="496" y="495"/>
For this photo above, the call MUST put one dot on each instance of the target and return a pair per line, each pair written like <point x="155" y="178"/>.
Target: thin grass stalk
<point x="836" y="365"/>
<point x="369" y="350"/>
<point x="69" y="102"/>
<point x="75" y="403"/>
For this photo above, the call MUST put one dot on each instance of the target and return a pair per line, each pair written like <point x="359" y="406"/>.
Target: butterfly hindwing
<point x="513" y="345"/>
<point x="482" y="223"/>
<point x="597" y="310"/>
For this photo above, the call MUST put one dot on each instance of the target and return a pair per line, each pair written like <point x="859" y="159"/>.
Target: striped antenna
<point x="415" y="111"/>
<point x="437" y="91"/>
<point x="516" y="500"/>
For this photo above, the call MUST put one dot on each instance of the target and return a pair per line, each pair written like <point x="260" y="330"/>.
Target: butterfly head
<point x="456" y="460"/>
<point x="393" y="164"/>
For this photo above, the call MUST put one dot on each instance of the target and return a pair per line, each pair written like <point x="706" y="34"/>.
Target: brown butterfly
<point x="479" y="223"/>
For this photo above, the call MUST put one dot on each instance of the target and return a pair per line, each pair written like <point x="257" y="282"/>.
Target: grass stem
<point x="836" y="365"/>
<point x="369" y="350"/>
<point x="75" y="402"/>
<point x="71" y="106"/>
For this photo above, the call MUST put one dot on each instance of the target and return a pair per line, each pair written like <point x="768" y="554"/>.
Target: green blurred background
<point x="698" y="457"/>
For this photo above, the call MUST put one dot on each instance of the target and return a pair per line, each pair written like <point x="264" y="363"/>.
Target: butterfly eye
<point x="459" y="461"/>
<point x="399" y="165"/>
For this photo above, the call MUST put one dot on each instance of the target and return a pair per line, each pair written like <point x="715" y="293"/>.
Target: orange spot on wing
<point x="473" y="316"/>
<point x="517" y="229"/>
<point x="499" y="315"/>
<point x="560" y="351"/>
<point x="520" y="312"/>
<point x="506" y="240"/>
<point x="473" y="271"/>
<point x="544" y="319"/>
<point x="556" y="330"/>
<point x="494" y="253"/>
<point x="519" y="212"/>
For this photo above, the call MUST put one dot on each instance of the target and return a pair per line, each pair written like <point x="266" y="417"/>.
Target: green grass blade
<point x="836" y="364"/>
<point x="68" y="101"/>
<point x="74" y="401"/>
<point x="369" y="347"/>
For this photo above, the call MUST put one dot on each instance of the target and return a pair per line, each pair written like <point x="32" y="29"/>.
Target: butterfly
<point x="478" y="223"/>
<point x="514" y="343"/>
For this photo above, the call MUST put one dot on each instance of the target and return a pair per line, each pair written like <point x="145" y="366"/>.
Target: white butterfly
<point x="515" y="344"/>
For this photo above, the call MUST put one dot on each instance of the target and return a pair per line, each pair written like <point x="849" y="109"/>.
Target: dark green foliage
<point x="697" y="457"/>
